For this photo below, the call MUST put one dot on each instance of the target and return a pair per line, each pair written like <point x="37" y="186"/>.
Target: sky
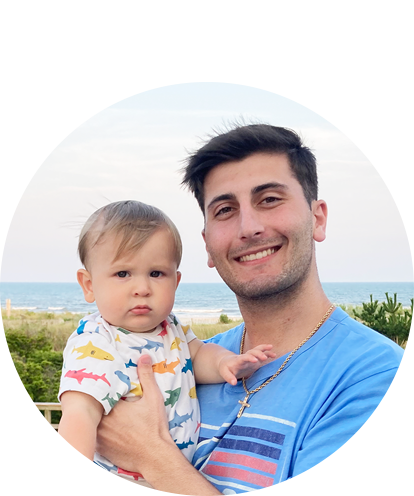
<point x="135" y="148"/>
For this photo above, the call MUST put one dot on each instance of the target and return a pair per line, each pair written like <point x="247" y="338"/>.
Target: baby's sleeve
<point x="92" y="365"/>
<point x="188" y="332"/>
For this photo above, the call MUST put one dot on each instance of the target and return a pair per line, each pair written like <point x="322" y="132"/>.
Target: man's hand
<point x="233" y="367"/>
<point x="130" y="434"/>
<point x="84" y="486"/>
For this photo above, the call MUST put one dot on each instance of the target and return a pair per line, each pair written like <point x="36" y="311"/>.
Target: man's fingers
<point x="146" y="376"/>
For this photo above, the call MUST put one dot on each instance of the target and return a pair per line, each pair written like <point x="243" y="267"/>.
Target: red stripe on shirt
<point x="239" y="474"/>
<point x="247" y="461"/>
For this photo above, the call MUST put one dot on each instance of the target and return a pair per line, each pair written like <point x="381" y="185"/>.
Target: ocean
<point x="193" y="300"/>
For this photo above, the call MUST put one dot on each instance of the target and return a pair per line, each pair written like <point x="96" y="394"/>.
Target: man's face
<point x="259" y="228"/>
<point x="136" y="291"/>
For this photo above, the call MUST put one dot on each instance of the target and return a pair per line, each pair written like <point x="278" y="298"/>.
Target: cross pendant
<point x="244" y="404"/>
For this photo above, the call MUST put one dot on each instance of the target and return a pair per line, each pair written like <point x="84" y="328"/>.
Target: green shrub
<point x="388" y="318"/>
<point x="38" y="365"/>
<point x="224" y="319"/>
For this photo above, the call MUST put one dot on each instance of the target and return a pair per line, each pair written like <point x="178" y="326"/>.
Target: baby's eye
<point x="156" y="273"/>
<point x="122" y="273"/>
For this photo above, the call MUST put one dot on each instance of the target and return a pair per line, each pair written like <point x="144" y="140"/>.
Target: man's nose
<point x="250" y="224"/>
<point x="142" y="287"/>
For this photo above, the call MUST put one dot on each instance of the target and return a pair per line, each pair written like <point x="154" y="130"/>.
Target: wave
<point x="24" y="308"/>
<point x="55" y="308"/>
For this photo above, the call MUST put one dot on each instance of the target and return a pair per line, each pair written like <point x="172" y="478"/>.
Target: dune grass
<point x="58" y="327"/>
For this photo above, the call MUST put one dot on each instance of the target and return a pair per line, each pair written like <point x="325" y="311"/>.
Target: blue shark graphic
<point x="188" y="366"/>
<point x="81" y="327"/>
<point x="123" y="377"/>
<point x="130" y="364"/>
<point x="179" y="419"/>
<point x="149" y="346"/>
<point x="183" y="445"/>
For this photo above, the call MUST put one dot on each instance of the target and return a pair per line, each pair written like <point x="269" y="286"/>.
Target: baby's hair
<point x="132" y="221"/>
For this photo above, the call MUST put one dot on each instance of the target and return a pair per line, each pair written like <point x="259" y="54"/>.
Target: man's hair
<point x="243" y="141"/>
<point x="132" y="221"/>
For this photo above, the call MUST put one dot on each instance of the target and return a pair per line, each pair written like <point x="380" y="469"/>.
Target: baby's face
<point x="136" y="292"/>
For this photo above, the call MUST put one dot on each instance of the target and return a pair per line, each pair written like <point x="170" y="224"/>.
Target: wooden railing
<point x="47" y="454"/>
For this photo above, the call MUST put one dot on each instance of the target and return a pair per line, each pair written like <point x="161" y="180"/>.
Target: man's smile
<point x="257" y="255"/>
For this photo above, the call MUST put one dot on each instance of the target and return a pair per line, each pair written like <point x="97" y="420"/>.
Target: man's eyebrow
<point x="219" y="198"/>
<point x="263" y="187"/>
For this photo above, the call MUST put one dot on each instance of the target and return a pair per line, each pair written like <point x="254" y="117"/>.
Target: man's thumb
<point x="145" y="372"/>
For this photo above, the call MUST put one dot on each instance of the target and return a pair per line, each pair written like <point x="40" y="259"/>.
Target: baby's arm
<point x="213" y="363"/>
<point x="81" y="414"/>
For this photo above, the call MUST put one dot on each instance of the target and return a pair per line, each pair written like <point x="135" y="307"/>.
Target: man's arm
<point x="135" y="437"/>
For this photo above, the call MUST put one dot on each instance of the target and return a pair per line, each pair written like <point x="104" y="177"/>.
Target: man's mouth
<point x="258" y="255"/>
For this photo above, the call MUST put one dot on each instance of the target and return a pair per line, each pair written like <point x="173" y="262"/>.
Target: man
<point x="257" y="188"/>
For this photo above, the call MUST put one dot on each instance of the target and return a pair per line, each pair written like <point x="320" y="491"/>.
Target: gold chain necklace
<point x="244" y="403"/>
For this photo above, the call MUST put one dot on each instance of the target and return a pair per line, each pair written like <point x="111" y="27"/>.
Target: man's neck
<point x="283" y="321"/>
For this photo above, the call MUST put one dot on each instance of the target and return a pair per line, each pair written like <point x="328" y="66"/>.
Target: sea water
<point x="193" y="300"/>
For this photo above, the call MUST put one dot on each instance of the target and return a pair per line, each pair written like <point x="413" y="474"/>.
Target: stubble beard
<point x="282" y="287"/>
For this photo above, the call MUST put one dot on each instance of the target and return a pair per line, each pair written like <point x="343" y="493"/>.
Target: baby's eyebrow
<point x="272" y="185"/>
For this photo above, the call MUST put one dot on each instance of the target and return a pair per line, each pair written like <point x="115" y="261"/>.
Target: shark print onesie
<point x="101" y="360"/>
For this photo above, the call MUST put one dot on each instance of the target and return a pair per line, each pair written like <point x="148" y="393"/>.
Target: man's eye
<point x="270" y="199"/>
<point x="122" y="273"/>
<point x="156" y="273"/>
<point x="223" y="211"/>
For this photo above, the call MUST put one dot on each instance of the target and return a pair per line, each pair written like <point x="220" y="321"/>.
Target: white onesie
<point x="101" y="360"/>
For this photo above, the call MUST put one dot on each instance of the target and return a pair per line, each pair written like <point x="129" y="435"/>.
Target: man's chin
<point x="269" y="289"/>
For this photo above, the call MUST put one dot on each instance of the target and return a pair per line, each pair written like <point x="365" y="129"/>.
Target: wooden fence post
<point x="8" y="308"/>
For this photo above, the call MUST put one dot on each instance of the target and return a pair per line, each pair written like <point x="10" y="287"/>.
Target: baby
<point x="131" y="252"/>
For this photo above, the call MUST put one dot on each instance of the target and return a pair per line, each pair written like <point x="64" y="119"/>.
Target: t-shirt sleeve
<point x="188" y="332"/>
<point x="355" y="445"/>
<point x="92" y="365"/>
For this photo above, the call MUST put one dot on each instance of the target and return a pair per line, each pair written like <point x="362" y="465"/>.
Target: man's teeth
<point x="256" y="256"/>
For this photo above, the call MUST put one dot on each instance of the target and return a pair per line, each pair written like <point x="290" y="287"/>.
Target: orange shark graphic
<point x="164" y="367"/>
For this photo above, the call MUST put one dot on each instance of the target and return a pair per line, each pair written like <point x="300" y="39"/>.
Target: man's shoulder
<point x="362" y="340"/>
<point x="229" y="339"/>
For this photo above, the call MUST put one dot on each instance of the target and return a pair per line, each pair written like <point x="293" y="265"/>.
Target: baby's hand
<point x="233" y="367"/>
<point x="84" y="486"/>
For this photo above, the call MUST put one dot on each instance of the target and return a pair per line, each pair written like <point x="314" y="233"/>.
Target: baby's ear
<point x="85" y="281"/>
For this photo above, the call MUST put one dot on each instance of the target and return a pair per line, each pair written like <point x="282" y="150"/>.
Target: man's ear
<point x="320" y="217"/>
<point x="85" y="282"/>
<point x="178" y="278"/>
<point x="210" y="262"/>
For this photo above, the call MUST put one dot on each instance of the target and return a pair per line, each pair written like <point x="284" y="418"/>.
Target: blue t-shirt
<point x="325" y="393"/>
